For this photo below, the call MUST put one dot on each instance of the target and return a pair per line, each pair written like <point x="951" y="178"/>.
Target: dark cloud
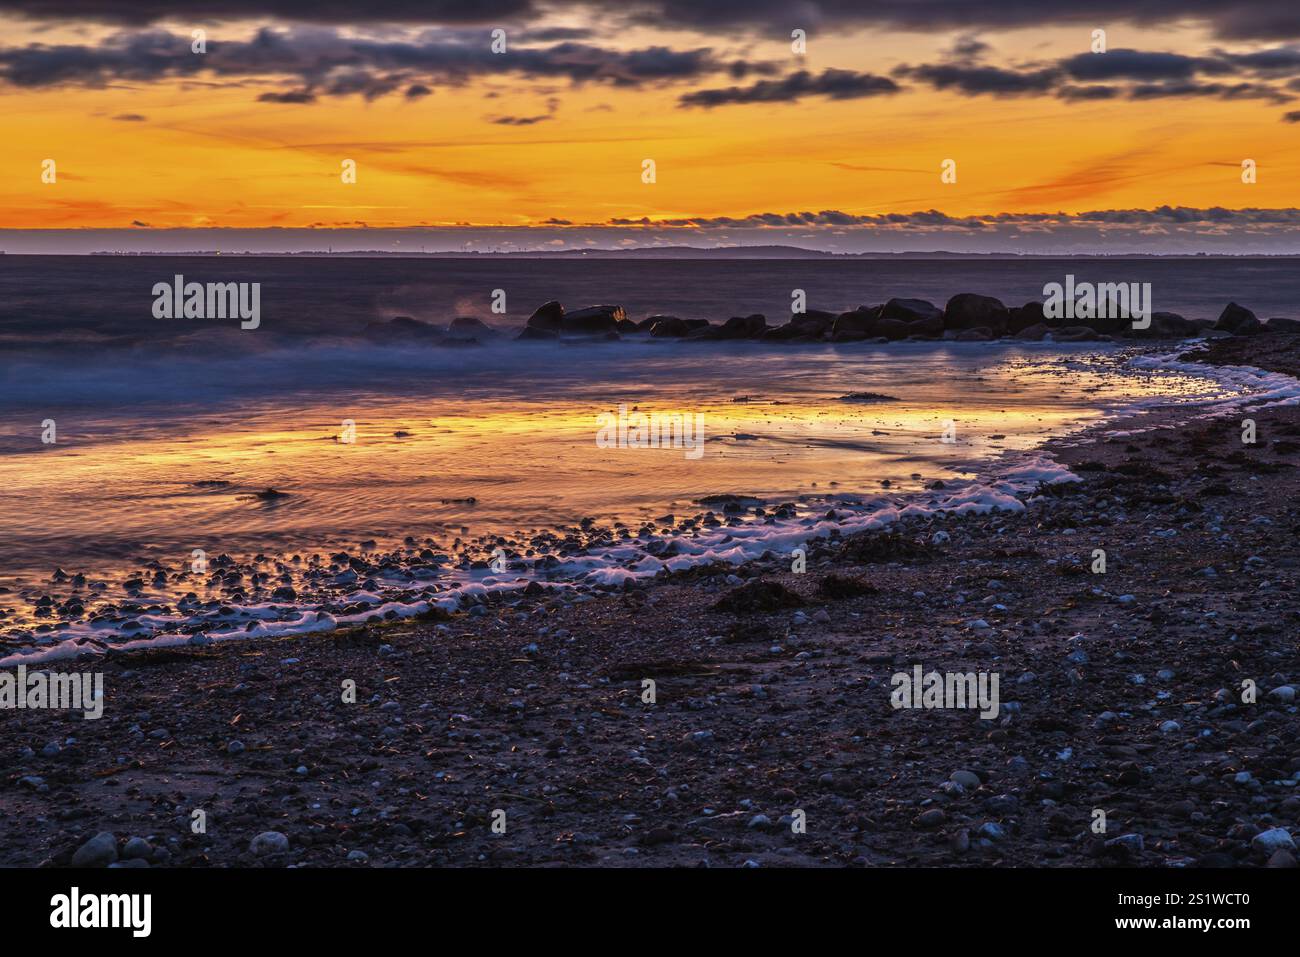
<point x="1139" y="65"/>
<point x="1240" y="19"/>
<point x="977" y="80"/>
<point x="1221" y="91"/>
<point x="130" y="117"/>
<point x="836" y="84"/>
<point x="324" y="62"/>
<point x="1135" y="74"/>
<point x="521" y="120"/>
<point x="288" y="96"/>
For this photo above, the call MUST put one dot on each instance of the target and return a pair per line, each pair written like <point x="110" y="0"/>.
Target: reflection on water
<point x="496" y="446"/>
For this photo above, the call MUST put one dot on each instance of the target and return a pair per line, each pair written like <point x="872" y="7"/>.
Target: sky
<point x="1016" y="126"/>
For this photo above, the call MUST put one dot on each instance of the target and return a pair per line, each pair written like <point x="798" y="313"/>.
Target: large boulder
<point x="648" y="323"/>
<point x="1075" y="334"/>
<point x="931" y="328"/>
<point x="1234" y="317"/>
<point x="669" y="327"/>
<point x="1165" y="325"/>
<point x="592" y="321"/>
<point x="741" y="327"/>
<point x="547" y="316"/>
<point x="909" y="310"/>
<point x="856" y="324"/>
<point x="1034" y="333"/>
<point x="968" y="311"/>
<point x="813" y="322"/>
<point x="469" y="327"/>
<point x="1280" y="324"/>
<point x="893" y="328"/>
<point x="627" y="326"/>
<point x="1020" y="318"/>
<point x="977" y="334"/>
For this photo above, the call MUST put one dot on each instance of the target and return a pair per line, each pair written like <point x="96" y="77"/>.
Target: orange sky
<point x="209" y="154"/>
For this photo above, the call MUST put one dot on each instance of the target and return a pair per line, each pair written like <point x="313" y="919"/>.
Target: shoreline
<point x="237" y="597"/>
<point x="1124" y="686"/>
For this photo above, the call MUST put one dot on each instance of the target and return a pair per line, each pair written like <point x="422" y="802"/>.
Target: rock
<point x="813" y="322"/>
<point x="892" y="329"/>
<point x="967" y="779"/>
<point x="1034" y="333"/>
<point x="758" y="596"/>
<point x="137" y="847"/>
<point x="737" y="327"/>
<point x="931" y="328"/>
<point x="1132" y="843"/>
<point x="235" y="747"/>
<point x="1279" y="324"/>
<point x="1169" y="727"/>
<point x="969" y="311"/>
<point x="99" y="851"/>
<point x="1074" y="334"/>
<point x="793" y="330"/>
<point x="1284" y="693"/>
<point x="1170" y="325"/>
<point x="978" y="334"/>
<point x="669" y="327"/>
<point x="933" y="817"/>
<point x="469" y="327"/>
<point x="993" y="831"/>
<point x="1282" y="859"/>
<point x="909" y="310"/>
<point x="855" y="325"/>
<point x="1020" y="318"/>
<point x="361" y="856"/>
<point x="1234" y="317"/>
<point x="594" y="320"/>
<point x="546" y="317"/>
<point x="1274" y="839"/>
<point x="759" y="822"/>
<point x="267" y="843"/>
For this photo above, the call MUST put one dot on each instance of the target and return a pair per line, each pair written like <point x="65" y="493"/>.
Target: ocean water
<point x="166" y="431"/>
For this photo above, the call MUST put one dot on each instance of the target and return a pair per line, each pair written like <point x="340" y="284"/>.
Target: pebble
<point x="1168" y="727"/>
<point x="268" y="842"/>
<point x="1285" y="693"/>
<point x="1274" y="839"/>
<point x="1130" y="842"/>
<point x="967" y="779"/>
<point x="235" y="747"/>
<point x="931" y="818"/>
<point x="99" y="851"/>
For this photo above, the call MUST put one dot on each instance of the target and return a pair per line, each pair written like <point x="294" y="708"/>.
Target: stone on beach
<point x="99" y="851"/>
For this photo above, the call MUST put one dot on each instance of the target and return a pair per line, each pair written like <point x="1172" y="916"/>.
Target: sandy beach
<point x="771" y="739"/>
